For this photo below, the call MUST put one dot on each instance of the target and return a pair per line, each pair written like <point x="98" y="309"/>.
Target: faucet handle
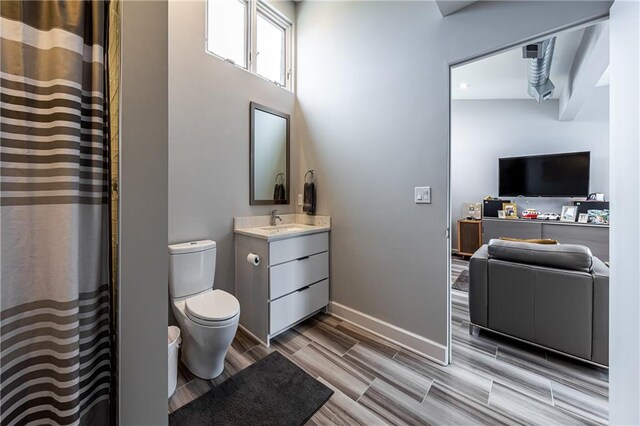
<point x="273" y="212"/>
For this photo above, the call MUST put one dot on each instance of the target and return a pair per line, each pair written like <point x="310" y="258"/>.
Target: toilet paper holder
<point x="253" y="259"/>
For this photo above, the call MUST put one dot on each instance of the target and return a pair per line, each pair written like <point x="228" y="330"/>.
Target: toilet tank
<point x="192" y="267"/>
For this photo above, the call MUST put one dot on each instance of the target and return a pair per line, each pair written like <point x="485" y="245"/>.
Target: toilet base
<point x="208" y="370"/>
<point x="204" y="348"/>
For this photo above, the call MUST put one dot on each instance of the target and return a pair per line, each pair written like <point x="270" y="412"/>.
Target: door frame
<point x="456" y="64"/>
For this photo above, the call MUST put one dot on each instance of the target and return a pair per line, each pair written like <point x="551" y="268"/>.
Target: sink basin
<point x="294" y="227"/>
<point x="255" y="227"/>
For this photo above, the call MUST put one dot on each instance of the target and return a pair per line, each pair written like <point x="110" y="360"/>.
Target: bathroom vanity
<point x="282" y="272"/>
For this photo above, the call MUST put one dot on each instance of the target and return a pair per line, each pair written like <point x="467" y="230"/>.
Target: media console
<point x="596" y="237"/>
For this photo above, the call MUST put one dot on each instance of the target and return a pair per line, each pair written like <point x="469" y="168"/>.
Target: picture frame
<point x="583" y="218"/>
<point x="501" y="214"/>
<point x="569" y="214"/>
<point x="510" y="210"/>
<point x="598" y="217"/>
<point x="472" y="211"/>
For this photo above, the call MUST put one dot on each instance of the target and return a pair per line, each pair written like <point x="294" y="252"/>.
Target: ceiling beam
<point x="590" y="63"/>
<point x="449" y="7"/>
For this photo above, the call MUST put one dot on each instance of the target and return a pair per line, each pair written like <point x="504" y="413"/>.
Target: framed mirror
<point x="269" y="152"/>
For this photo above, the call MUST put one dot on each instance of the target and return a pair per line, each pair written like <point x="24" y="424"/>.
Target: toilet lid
<point x="216" y="305"/>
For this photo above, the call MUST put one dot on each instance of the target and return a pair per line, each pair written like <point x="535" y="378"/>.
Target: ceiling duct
<point x="540" y="56"/>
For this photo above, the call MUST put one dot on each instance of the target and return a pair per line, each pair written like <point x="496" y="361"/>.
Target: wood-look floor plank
<point x="342" y="374"/>
<point x="518" y="378"/>
<point x="394" y="406"/>
<point x="591" y="381"/>
<point x="448" y="407"/>
<point x="321" y="317"/>
<point x="462" y="339"/>
<point x="184" y="375"/>
<point x="594" y="408"/>
<point x="341" y="410"/>
<point x="403" y="378"/>
<point x="531" y="411"/>
<point x="187" y="393"/>
<point x="290" y="341"/>
<point x="243" y="341"/>
<point x="329" y="337"/>
<point x="456" y="379"/>
<point x="586" y="378"/>
<point x="368" y="339"/>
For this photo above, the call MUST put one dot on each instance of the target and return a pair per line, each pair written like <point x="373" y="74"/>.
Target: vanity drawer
<point x="295" y="306"/>
<point x="290" y="276"/>
<point x="294" y="248"/>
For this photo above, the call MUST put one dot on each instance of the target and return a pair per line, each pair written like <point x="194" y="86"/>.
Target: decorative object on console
<point x="530" y="214"/>
<point x="510" y="210"/>
<point x="472" y="211"/>
<point x="596" y="196"/>
<point x="569" y="213"/>
<point x="585" y="206"/>
<point x="490" y="206"/>
<point x="501" y="214"/>
<point x="549" y="216"/>
<point x="309" y="206"/>
<point x="599" y="217"/>
<point x="583" y="218"/>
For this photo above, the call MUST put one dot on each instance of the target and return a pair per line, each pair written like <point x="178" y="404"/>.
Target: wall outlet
<point x="299" y="199"/>
<point x="422" y="195"/>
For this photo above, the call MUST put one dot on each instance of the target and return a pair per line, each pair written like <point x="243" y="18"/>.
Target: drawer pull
<point x="303" y="258"/>
<point x="303" y="289"/>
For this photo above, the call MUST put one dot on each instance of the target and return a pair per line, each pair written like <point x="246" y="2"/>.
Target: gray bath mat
<point x="462" y="282"/>
<point x="272" y="391"/>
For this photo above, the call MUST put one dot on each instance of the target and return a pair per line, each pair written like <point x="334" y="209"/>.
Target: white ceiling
<point x="504" y="76"/>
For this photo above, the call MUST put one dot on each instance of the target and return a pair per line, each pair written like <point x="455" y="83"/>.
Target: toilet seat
<point x="212" y="307"/>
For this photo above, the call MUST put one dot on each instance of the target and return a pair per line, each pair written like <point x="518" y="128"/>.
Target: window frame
<point x="247" y="35"/>
<point x="268" y="12"/>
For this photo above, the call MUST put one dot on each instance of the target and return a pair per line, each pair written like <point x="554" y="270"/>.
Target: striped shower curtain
<point x="54" y="290"/>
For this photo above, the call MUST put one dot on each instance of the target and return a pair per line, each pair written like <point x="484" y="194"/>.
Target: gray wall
<point x="209" y="137"/>
<point x="373" y="119"/>
<point x="624" y="326"/>
<point x="484" y="130"/>
<point x="143" y="215"/>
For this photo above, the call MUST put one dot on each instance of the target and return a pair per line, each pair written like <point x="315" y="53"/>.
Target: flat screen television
<point x="554" y="175"/>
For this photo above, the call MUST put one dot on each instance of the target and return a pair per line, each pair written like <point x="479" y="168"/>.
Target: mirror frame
<point x="253" y="106"/>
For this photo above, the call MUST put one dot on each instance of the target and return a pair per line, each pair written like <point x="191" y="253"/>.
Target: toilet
<point x="208" y="318"/>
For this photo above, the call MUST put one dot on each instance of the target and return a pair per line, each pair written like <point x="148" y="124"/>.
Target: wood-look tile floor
<point x="492" y="380"/>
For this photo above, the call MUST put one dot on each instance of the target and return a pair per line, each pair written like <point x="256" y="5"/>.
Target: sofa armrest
<point x="478" y="287"/>
<point x="600" y="345"/>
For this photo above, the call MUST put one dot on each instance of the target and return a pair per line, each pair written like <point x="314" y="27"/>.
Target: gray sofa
<point x="556" y="296"/>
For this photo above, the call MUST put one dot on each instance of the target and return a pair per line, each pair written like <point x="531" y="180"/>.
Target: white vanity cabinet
<point x="290" y="284"/>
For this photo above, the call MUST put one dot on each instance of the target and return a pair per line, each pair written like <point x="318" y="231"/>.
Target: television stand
<point x="596" y="237"/>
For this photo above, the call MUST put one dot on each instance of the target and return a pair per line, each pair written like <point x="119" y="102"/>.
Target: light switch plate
<point x="422" y="195"/>
<point x="299" y="199"/>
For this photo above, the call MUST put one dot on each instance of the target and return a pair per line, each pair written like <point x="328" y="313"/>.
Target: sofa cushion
<point x="562" y="256"/>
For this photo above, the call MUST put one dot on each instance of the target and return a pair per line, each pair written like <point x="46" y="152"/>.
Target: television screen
<point x="555" y="175"/>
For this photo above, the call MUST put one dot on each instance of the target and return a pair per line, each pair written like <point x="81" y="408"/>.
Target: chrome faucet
<point x="274" y="217"/>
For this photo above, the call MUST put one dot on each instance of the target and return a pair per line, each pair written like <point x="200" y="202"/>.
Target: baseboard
<point x="403" y="338"/>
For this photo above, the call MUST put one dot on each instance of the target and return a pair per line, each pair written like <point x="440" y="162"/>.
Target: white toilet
<point x="208" y="318"/>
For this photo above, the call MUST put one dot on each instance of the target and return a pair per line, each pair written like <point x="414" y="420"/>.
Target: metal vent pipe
<point x="540" y="56"/>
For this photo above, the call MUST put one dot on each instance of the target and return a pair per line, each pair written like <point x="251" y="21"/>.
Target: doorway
<point x="495" y="115"/>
